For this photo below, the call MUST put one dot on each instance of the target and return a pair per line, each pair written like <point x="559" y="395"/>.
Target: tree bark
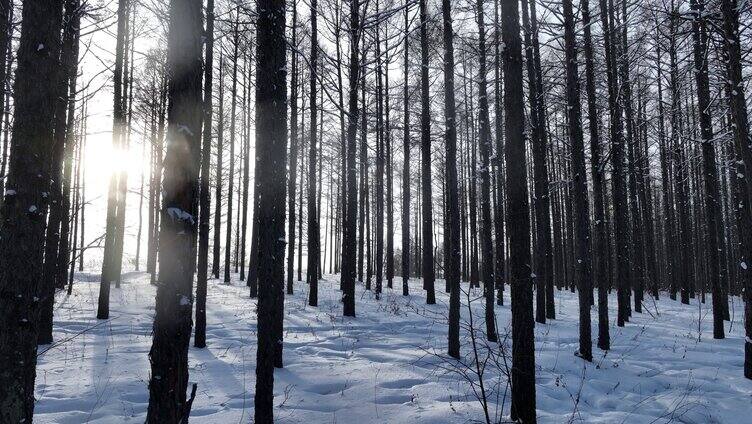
<point x="740" y="125"/>
<point x="24" y="208"/>
<point x="113" y="191"/>
<point x="710" y="173"/>
<point x="205" y="199"/>
<point x="313" y="223"/>
<point x="579" y="174"/>
<point x="271" y="153"/>
<point x="518" y="223"/>
<point x="349" y="236"/>
<point x="425" y="143"/>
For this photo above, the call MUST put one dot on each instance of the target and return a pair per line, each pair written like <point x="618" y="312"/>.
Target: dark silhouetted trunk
<point x="25" y="207"/>
<point x="453" y="205"/>
<point x="579" y="176"/>
<point x="425" y="144"/>
<point x="518" y="222"/>
<point x="348" y="236"/>
<point x="177" y="240"/>
<point x="205" y="199"/>
<point x="271" y="154"/>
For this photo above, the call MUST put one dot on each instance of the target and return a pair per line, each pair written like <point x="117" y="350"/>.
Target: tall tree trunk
<point x="6" y="59"/>
<point x="617" y="180"/>
<point x="348" y="236"/>
<point x="542" y="243"/>
<point x="313" y="223"/>
<point x="292" y="180"/>
<point x="453" y="207"/>
<point x="636" y="279"/>
<point x="174" y="300"/>
<point x="599" y="253"/>
<point x="216" y="261"/>
<point x="108" y="263"/>
<point x="730" y="10"/>
<point x="246" y="181"/>
<point x="233" y="118"/>
<point x="24" y="208"/>
<point x="499" y="254"/>
<point x="379" y="177"/>
<point x="406" y="160"/>
<point x="518" y="222"/>
<point x="205" y="199"/>
<point x="425" y="137"/>
<point x="271" y="151"/>
<point x="579" y="174"/>
<point x="713" y="238"/>
<point x="60" y="202"/>
<point x="485" y="177"/>
<point x="389" y="175"/>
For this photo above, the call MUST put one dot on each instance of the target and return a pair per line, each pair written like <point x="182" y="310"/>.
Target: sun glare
<point x="102" y="159"/>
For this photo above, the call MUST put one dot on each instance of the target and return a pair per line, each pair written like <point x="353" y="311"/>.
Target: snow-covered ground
<point x="387" y="365"/>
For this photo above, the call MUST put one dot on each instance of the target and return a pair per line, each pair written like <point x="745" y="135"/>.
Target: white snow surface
<point x="387" y="364"/>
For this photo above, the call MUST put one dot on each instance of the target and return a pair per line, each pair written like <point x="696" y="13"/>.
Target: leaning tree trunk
<point x="518" y="222"/>
<point x="25" y="207"/>
<point x="180" y="186"/>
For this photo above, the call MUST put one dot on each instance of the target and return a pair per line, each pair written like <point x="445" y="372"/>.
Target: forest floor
<point x="387" y="365"/>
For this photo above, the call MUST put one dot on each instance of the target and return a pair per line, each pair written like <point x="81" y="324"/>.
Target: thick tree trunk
<point x="730" y="10"/>
<point x="271" y="153"/>
<point x="518" y="223"/>
<point x="25" y="208"/>
<point x="56" y="243"/>
<point x="180" y="186"/>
